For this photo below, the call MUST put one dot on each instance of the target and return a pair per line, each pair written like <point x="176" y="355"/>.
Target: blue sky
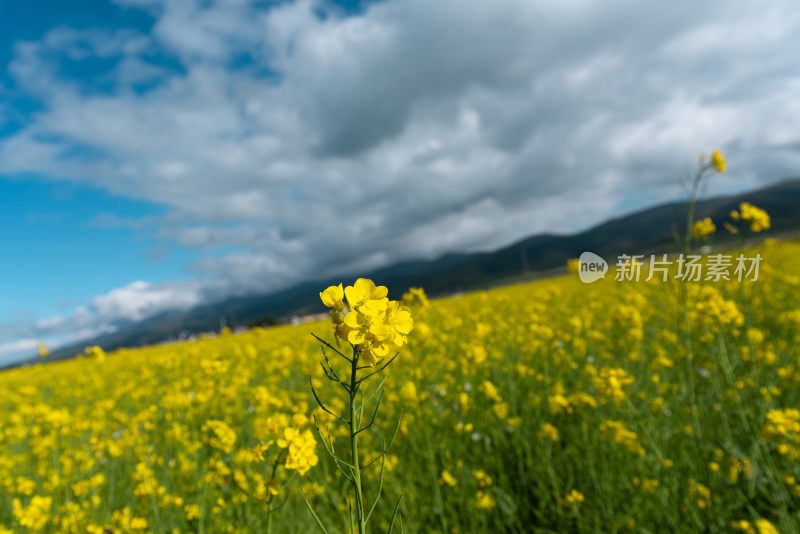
<point x="64" y="255"/>
<point x="54" y="260"/>
<point x="61" y="254"/>
<point x="157" y="154"/>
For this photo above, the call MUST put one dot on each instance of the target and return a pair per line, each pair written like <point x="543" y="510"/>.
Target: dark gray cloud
<point x="414" y="128"/>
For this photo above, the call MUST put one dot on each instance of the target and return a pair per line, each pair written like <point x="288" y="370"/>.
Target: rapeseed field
<point x="548" y="406"/>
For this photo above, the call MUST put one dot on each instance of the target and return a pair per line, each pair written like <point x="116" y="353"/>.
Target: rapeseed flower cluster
<point x="782" y="428"/>
<point x="574" y="497"/>
<point x="703" y="228"/>
<point x="611" y="383"/>
<point x="219" y="435"/>
<point x="367" y="319"/>
<point x="759" y="526"/>
<point x="302" y="447"/>
<point x="756" y="219"/>
<point x="718" y="161"/>
<point x="709" y="311"/>
<point x="35" y="514"/>
<point x="701" y="494"/>
<point x="415" y="297"/>
<point x="617" y="432"/>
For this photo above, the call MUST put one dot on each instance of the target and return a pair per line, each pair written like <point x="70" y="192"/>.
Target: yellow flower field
<point x="550" y="406"/>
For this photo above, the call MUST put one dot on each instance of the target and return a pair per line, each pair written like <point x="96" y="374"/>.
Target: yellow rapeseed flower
<point x="484" y="501"/>
<point x="756" y="218"/>
<point x="219" y="435"/>
<point x="35" y="515"/>
<point x="703" y="228"/>
<point x="369" y="321"/>
<point x="302" y="449"/>
<point x="574" y="497"/>
<point x="415" y="297"/>
<point x="718" y="161"/>
<point x="549" y="432"/>
<point x="333" y="297"/>
<point x="447" y="479"/>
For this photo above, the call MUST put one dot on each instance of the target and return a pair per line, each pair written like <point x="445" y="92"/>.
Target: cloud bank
<point x="299" y="140"/>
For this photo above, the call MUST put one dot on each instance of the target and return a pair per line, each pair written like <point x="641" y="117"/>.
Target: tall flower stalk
<point x="374" y="327"/>
<point x="692" y="230"/>
<point x="716" y="163"/>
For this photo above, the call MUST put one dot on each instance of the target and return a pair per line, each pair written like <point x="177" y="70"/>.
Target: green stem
<point x="687" y="247"/>
<point x="362" y="524"/>
<point x="278" y="459"/>
<point x="687" y="239"/>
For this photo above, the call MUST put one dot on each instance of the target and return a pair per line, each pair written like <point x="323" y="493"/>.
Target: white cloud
<point x="10" y="351"/>
<point x="139" y="300"/>
<point x="311" y="144"/>
<point x="104" y="314"/>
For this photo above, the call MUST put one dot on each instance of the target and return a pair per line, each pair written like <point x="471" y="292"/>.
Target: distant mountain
<point x="646" y="231"/>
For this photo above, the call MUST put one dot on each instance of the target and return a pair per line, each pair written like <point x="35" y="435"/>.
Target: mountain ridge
<point x="642" y="231"/>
